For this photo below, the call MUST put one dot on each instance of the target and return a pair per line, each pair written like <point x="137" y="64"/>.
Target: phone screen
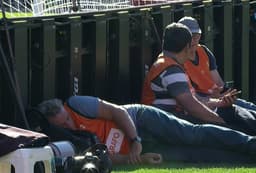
<point x="229" y="84"/>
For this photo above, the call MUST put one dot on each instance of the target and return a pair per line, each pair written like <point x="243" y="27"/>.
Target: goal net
<point x="16" y="8"/>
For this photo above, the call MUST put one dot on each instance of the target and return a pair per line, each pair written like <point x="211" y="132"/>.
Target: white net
<point x="15" y="8"/>
<point x="68" y="6"/>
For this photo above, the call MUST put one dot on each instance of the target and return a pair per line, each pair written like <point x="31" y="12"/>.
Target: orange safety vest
<point x="200" y="74"/>
<point x="157" y="68"/>
<point x="106" y="131"/>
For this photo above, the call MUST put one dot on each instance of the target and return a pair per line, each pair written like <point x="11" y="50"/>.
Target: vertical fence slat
<point x="49" y="58"/>
<point x="167" y="15"/>
<point x="245" y="50"/>
<point x="100" y="58"/>
<point x="36" y="65"/>
<point x="227" y="45"/>
<point x="208" y="27"/>
<point x="188" y="10"/>
<point x="223" y="38"/>
<point x="21" y="56"/>
<point x="252" y="51"/>
<point x="75" y="55"/>
<point x="123" y="94"/>
<point x="241" y="51"/>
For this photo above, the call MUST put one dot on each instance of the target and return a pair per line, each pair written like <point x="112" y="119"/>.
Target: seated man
<point x="202" y="68"/>
<point x="126" y="129"/>
<point x="168" y="87"/>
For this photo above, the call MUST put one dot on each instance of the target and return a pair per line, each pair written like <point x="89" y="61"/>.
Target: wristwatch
<point x="136" y="139"/>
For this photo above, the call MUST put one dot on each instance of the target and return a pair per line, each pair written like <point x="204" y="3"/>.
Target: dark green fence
<point x="106" y="54"/>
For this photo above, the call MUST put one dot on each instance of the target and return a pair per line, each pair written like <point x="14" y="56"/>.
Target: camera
<point x="93" y="160"/>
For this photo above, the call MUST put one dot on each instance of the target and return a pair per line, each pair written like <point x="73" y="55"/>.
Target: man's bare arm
<point x="121" y="118"/>
<point x="216" y="78"/>
<point x="119" y="115"/>
<point x="196" y="108"/>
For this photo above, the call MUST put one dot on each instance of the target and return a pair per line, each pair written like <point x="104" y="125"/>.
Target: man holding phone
<point x="167" y="86"/>
<point x="202" y="69"/>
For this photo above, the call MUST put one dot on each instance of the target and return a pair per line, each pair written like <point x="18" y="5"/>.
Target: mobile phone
<point x="227" y="85"/>
<point x="236" y="93"/>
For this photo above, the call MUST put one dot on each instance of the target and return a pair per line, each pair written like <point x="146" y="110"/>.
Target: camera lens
<point x="89" y="168"/>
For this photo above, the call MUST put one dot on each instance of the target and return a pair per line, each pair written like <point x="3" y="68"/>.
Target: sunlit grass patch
<point x="187" y="168"/>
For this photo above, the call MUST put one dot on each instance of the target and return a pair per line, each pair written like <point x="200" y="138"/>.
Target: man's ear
<point x="186" y="48"/>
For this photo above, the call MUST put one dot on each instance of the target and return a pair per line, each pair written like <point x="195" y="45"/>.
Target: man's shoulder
<point x="205" y="48"/>
<point x="174" y="69"/>
<point x="84" y="105"/>
<point x="173" y="75"/>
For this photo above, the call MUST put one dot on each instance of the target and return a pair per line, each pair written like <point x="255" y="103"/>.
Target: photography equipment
<point x="63" y="149"/>
<point x="94" y="160"/>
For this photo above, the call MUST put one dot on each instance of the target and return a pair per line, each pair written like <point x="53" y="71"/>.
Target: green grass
<point x="187" y="168"/>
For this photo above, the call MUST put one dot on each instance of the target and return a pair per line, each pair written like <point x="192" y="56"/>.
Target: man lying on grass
<point x="129" y="130"/>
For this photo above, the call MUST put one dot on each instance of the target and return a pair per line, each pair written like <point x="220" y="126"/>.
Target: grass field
<point x="187" y="168"/>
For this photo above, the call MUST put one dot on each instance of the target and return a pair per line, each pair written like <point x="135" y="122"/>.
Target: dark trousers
<point x="239" y="119"/>
<point x="236" y="118"/>
<point x="166" y="129"/>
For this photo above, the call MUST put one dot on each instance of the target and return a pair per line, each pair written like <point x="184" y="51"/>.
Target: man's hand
<point x="215" y="93"/>
<point x="134" y="155"/>
<point x="228" y="98"/>
<point x="151" y="158"/>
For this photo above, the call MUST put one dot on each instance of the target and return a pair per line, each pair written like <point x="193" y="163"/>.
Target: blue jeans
<point x="245" y="104"/>
<point x="239" y="119"/>
<point x="157" y="126"/>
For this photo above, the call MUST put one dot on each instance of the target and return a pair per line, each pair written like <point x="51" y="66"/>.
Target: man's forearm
<point x="204" y="113"/>
<point x="196" y="108"/>
<point x="119" y="116"/>
<point x="125" y="123"/>
<point x="211" y="103"/>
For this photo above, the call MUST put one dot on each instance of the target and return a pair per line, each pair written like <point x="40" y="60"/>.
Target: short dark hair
<point x="176" y="36"/>
<point x="50" y="108"/>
